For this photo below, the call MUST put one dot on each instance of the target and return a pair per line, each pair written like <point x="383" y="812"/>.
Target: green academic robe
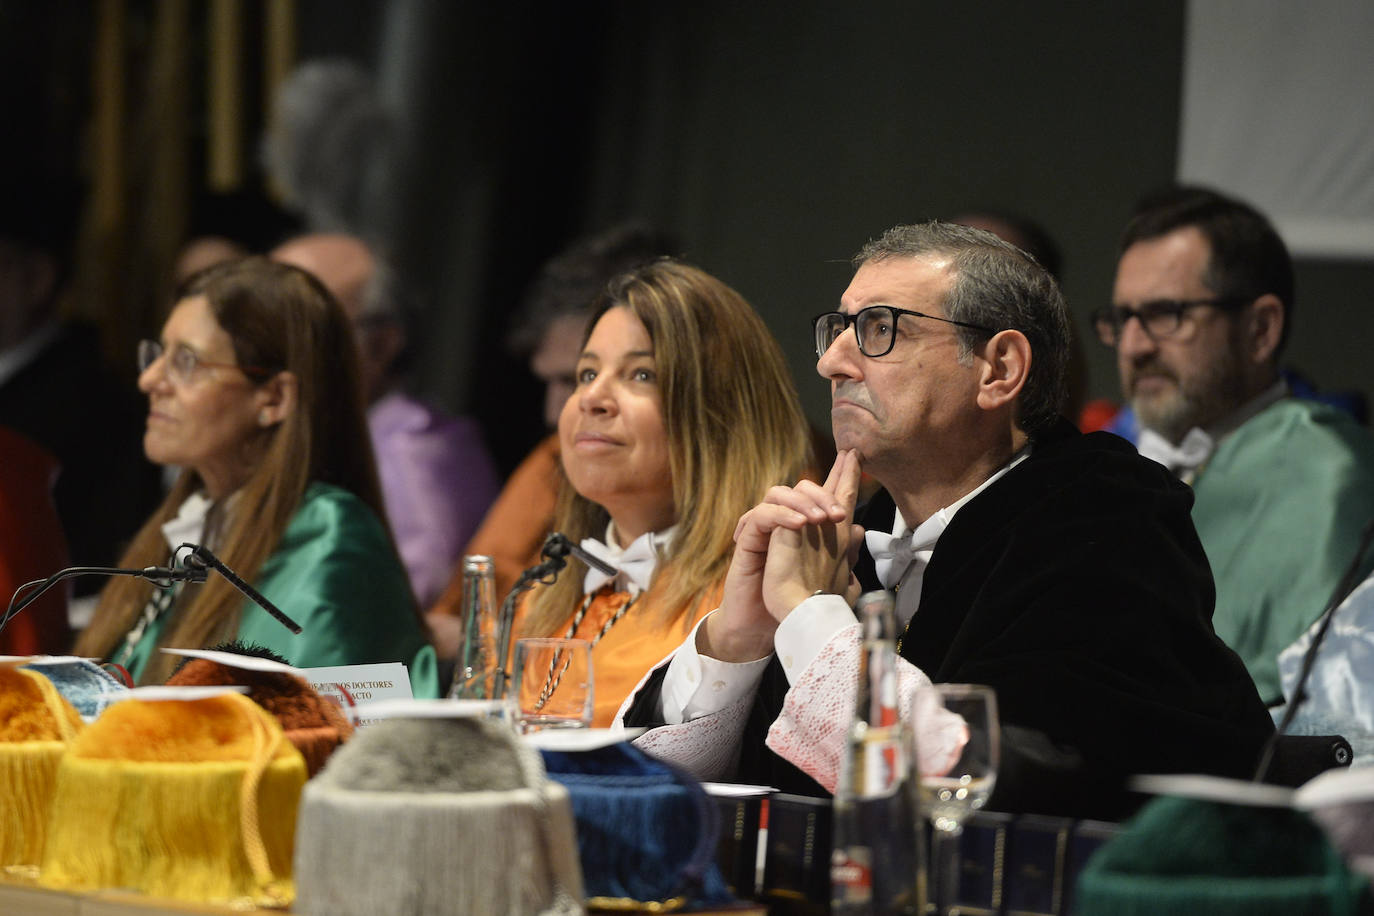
<point x="336" y="574"/>
<point x="1279" y="508"/>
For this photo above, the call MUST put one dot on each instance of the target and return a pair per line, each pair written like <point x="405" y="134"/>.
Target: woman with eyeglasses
<point x="682" y="417"/>
<point x="253" y="391"/>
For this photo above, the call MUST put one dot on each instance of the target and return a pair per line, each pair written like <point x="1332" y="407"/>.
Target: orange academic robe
<point x="514" y="527"/>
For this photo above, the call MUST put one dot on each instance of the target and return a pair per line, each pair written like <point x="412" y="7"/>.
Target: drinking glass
<point x="956" y="735"/>
<point x="553" y="683"/>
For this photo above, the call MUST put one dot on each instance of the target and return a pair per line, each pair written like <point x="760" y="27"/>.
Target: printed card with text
<point x="354" y="686"/>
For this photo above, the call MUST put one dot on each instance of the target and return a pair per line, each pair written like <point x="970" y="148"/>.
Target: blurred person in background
<point x="32" y="547"/>
<point x="327" y="145"/>
<point x="437" y="476"/>
<point x="55" y="387"/>
<point x="225" y="226"/>
<point x="254" y="390"/>
<point x="1201" y="308"/>
<point x="552" y="320"/>
<point x="683" y="413"/>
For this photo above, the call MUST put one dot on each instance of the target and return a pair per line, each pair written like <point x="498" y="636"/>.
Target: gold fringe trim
<point x="28" y="777"/>
<point x="217" y="831"/>
<point x="28" y="768"/>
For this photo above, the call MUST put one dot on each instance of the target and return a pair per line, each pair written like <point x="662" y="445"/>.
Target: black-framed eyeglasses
<point x="183" y="362"/>
<point x="875" y="328"/>
<point x="1159" y="319"/>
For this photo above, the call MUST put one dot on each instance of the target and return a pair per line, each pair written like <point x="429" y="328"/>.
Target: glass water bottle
<point x="878" y="862"/>
<point x="477" y="673"/>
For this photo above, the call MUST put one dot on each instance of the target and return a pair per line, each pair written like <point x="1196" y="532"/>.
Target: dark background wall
<point x="773" y="138"/>
<point x="788" y="139"/>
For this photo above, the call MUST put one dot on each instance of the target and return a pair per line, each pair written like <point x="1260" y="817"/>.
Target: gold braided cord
<point x="554" y="678"/>
<point x="582" y="613"/>
<point x="630" y="905"/>
<point x="265" y="743"/>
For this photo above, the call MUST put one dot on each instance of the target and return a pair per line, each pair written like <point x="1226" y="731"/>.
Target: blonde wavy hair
<point x="734" y="428"/>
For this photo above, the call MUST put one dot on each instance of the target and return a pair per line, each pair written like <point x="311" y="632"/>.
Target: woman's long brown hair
<point x="283" y="319"/>
<point x="734" y="428"/>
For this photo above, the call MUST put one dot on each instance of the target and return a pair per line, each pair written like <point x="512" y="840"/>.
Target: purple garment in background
<point x="438" y="481"/>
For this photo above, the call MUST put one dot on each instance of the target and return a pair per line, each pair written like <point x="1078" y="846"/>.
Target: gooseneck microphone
<point x="558" y="546"/>
<point x="1343" y="589"/>
<point x="160" y="576"/>
<point x="556" y="550"/>
<point x="193" y="569"/>
<point x="201" y="557"/>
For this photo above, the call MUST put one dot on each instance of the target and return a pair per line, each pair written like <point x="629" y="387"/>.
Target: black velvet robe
<point x="1076" y="587"/>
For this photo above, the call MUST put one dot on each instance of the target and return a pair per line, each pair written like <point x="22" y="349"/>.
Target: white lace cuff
<point x="707" y="747"/>
<point x="804" y="633"/>
<point x="810" y="731"/>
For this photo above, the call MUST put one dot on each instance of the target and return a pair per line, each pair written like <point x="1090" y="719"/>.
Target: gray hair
<point x="998" y="286"/>
<point x="327" y="142"/>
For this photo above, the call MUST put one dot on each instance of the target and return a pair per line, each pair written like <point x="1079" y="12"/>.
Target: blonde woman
<point x="683" y="416"/>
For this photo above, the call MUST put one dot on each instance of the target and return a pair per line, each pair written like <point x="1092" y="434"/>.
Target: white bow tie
<point x="893" y="553"/>
<point x="635" y="562"/>
<point x="1183" y="459"/>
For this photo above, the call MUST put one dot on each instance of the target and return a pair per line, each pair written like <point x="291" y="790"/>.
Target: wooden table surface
<point x="22" y="897"/>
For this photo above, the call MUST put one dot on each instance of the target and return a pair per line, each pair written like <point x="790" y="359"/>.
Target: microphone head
<point x="201" y="558"/>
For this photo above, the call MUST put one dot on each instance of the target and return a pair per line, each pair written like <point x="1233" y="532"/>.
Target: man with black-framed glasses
<point x="1201" y="309"/>
<point x="1058" y="568"/>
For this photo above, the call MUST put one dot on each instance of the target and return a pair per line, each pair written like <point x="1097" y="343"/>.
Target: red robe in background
<point x="32" y="546"/>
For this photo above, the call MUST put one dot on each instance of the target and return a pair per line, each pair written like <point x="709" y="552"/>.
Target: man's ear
<point x="1004" y="364"/>
<point x="1264" y="328"/>
<point x="277" y="398"/>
